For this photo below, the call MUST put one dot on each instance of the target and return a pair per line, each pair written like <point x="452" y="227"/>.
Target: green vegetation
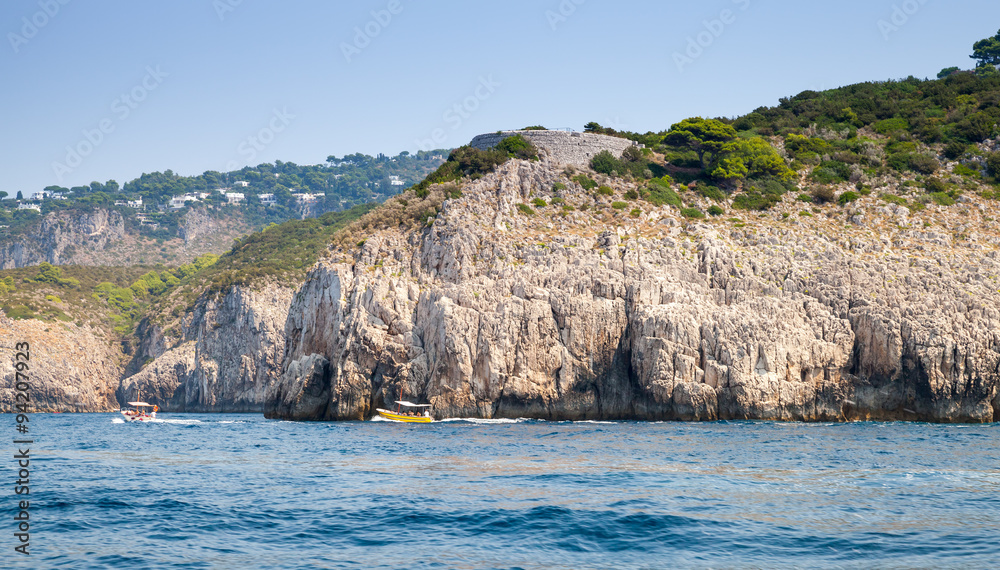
<point x="987" y="53"/>
<point x="635" y="213"/>
<point x="942" y="199"/>
<point x="585" y="181"/>
<point x="281" y="253"/>
<point x="710" y="192"/>
<point x="538" y="203"/>
<point x="692" y="213"/>
<point x="659" y="193"/>
<point x="605" y="191"/>
<point x="619" y="205"/>
<point x="66" y="294"/>
<point x="762" y="194"/>
<point x="51" y="274"/>
<point x="343" y="182"/>
<point x="749" y="158"/>
<point x="525" y="209"/>
<point x="706" y="137"/>
<point x="715" y="210"/>
<point x="847" y="198"/>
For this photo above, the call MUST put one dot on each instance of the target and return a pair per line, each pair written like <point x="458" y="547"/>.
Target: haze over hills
<point x="833" y="257"/>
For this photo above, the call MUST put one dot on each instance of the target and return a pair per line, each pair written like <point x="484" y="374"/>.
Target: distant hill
<point x="163" y="217"/>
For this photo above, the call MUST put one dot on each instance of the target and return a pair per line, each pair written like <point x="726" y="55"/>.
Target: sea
<point x="240" y="491"/>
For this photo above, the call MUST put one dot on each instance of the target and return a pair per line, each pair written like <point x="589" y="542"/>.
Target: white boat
<point x="140" y="412"/>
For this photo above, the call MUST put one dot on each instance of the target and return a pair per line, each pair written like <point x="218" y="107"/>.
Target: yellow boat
<point x="411" y="417"/>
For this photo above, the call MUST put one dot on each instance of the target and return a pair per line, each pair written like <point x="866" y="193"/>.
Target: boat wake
<point x="486" y="421"/>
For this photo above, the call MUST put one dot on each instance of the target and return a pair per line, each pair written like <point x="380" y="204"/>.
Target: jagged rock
<point x="229" y="354"/>
<point x="70" y="368"/>
<point x="60" y="236"/>
<point x="492" y="313"/>
<point x="102" y="237"/>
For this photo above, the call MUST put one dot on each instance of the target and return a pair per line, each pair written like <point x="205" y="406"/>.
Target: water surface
<point x="238" y="491"/>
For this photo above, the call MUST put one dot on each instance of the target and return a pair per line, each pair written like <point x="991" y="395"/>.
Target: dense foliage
<point x="475" y="163"/>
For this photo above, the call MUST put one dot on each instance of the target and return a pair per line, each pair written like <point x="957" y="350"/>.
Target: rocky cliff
<point x="583" y="311"/>
<point x="60" y="237"/>
<point x="70" y="368"/>
<point x="229" y="352"/>
<point x="102" y="237"/>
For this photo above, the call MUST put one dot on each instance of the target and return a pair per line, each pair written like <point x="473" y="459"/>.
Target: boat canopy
<point x="140" y="404"/>
<point x="412" y="405"/>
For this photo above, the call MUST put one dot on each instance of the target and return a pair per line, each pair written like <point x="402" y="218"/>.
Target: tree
<point x="3" y="195"/>
<point x="987" y="52"/>
<point x="946" y="72"/>
<point x="700" y="135"/>
<point x="19" y="195"/>
<point x="750" y="158"/>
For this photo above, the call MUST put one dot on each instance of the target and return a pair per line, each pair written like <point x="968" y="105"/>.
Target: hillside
<point x="785" y="267"/>
<point x="166" y="218"/>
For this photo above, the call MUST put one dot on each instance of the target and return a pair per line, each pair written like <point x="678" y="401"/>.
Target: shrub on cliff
<point x="823" y="195"/>
<point x="518" y="147"/>
<point x="659" y="193"/>
<point x="53" y="275"/>
<point x="847" y="198"/>
<point x="763" y="194"/>
<point x="993" y="164"/>
<point x="475" y="163"/>
<point x="585" y="181"/>
<point x="955" y="150"/>
<point x="605" y="163"/>
<point x="750" y="158"/>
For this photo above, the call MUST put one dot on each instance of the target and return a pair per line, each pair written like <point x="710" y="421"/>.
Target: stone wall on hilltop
<point x="563" y="147"/>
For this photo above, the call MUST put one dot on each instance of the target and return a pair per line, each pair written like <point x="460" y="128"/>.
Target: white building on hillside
<point x="35" y="207"/>
<point x="268" y="199"/>
<point x="235" y="197"/>
<point x="241" y="183"/>
<point x="395" y="181"/>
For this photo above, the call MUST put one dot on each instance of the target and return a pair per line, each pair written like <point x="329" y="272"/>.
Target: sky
<point x="109" y="89"/>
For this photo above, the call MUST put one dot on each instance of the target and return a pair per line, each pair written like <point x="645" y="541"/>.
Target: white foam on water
<point x="117" y="421"/>
<point x="182" y="422"/>
<point x="485" y="421"/>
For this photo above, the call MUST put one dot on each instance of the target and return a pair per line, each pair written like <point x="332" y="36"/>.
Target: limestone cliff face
<point x="60" y="236"/>
<point x="102" y="237"/>
<point x="572" y="314"/>
<point x="70" y="368"/>
<point x="229" y="353"/>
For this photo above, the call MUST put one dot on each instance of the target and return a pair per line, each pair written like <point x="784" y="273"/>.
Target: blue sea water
<point x="239" y="491"/>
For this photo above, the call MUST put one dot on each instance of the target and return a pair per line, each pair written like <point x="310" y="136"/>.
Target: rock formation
<point x="229" y="353"/>
<point x="70" y="368"/>
<point x="583" y="312"/>
<point x="60" y="236"/>
<point x="102" y="237"/>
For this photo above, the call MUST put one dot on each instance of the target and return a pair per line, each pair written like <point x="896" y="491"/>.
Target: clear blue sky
<point x="214" y="75"/>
